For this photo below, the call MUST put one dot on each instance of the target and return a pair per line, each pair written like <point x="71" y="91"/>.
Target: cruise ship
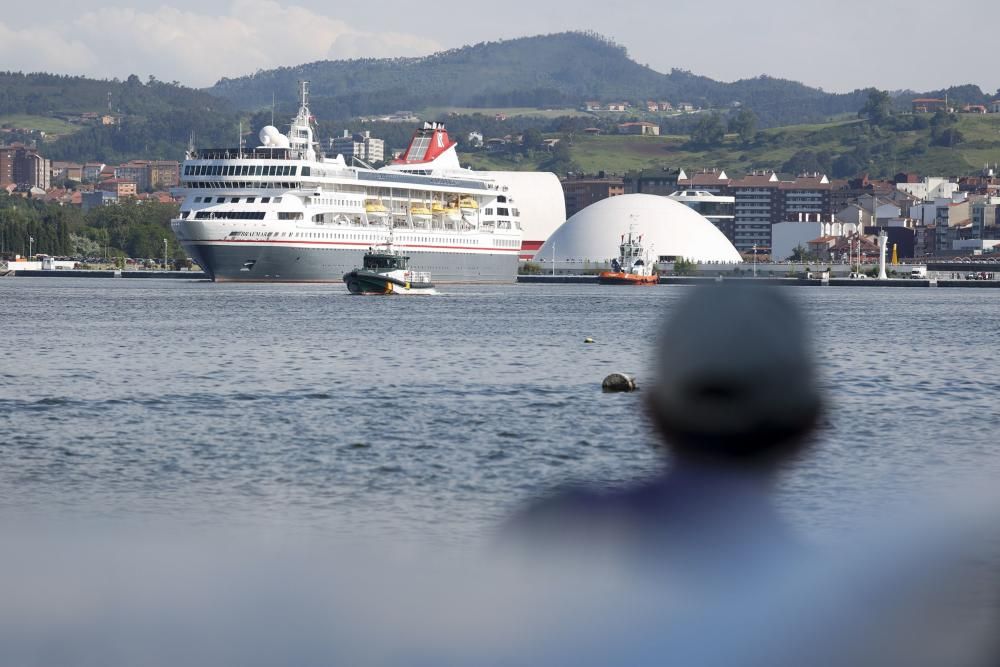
<point x="283" y="212"/>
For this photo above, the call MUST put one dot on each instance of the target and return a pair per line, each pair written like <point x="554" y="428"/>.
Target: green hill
<point x="558" y="70"/>
<point x="842" y="149"/>
<point x="39" y="94"/>
<point x="156" y="118"/>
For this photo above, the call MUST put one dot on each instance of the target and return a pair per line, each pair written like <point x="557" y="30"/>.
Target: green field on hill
<point x="891" y="152"/>
<point x="46" y="124"/>
<point x="513" y="112"/>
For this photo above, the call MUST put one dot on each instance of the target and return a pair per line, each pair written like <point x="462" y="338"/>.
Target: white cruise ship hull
<point x="265" y="251"/>
<point x="327" y="263"/>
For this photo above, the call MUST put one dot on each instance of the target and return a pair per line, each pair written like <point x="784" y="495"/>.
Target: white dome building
<point x="669" y="230"/>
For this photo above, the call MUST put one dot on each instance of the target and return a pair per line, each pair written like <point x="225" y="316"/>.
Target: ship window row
<point x="450" y="240"/>
<point x="229" y="215"/>
<point x="504" y="243"/>
<point x="327" y="235"/>
<point x="345" y="236"/>
<point x="431" y="239"/>
<point x="243" y="170"/>
<point x="234" y="200"/>
<point x="220" y="185"/>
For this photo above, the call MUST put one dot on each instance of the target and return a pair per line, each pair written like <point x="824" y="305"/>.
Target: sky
<point x="837" y="45"/>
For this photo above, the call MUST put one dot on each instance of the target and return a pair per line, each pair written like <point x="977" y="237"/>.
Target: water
<point x="436" y="416"/>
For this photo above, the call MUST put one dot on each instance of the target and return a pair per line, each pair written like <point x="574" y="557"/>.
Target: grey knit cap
<point x="734" y="359"/>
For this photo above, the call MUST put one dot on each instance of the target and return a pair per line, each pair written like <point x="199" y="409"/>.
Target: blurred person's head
<point x="735" y="382"/>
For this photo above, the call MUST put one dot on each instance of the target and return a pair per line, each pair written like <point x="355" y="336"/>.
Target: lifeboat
<point x="420" y="213"/>
<point x="468" y="203"/>
<point x="376" y="210"/>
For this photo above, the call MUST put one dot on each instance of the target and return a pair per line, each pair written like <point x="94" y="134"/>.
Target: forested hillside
<point x="156" y="119"/>
<point x="156" y="135"/>
<point x="51" y="94"/>
<point x="564" y="69"/>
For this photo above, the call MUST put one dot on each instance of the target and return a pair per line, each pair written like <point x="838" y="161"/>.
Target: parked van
<point x="918" y="272"/>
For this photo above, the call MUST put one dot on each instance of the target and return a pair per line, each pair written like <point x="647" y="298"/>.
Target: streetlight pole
<point x="754" y="247"/>
<point x="31" y="243"/>
<point x="164" y="254"/>
<point x="553" y="259"/>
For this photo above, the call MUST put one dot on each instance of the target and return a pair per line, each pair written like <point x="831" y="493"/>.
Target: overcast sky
<point x="838" y="45"/>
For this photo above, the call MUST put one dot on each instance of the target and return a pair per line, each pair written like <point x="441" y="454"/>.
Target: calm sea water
<point x="305" y="406"/>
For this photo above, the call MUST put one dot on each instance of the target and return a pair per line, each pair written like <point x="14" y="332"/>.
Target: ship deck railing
<point x="241" y="154"/>
<point x="419" y="276"/>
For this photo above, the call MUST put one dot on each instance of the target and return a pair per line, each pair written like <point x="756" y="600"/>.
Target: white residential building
<point x="932" y="187"/>
<point x="786" y="236"/>
<point x="362" y="146"/>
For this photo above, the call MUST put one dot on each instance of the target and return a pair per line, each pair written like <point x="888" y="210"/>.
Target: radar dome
<point x="272" y="138"/>
<point x="669" y="229"/>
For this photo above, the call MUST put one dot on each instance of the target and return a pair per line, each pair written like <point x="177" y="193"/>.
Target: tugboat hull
<point x="622" y="278"/>
<point x="371" y="283"/>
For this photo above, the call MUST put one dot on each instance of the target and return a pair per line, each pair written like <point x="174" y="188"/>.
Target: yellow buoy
<point x="588" y="339"/>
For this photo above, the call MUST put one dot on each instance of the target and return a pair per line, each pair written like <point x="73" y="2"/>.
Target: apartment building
<point x="136" y="171"/>
<point x="164" y="174"/>
<point x="581" y="192"/>
<point x="362" y="146"/>
<point x="62" y="171"/>
<point x="985" y="216"/>
<point x="23" y="167"/>
<point x="662" y="181"/>
<point x="119" y="187"/>
<point x="714" y="181"/>
<point x="757" y="206"/>
<point x="806" y="196"/>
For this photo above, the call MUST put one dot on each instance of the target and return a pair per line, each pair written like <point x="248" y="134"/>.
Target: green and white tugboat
<point x="386" y="271"/>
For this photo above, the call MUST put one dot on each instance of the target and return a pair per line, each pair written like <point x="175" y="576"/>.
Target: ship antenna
<point x="304" y="85"/>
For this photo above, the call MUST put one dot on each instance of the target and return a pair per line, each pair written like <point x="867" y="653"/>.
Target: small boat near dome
<point x="386" y="271"/>
<point x="632" y="266"/>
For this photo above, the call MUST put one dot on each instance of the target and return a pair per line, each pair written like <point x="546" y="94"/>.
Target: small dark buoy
<point x="588" y="339"/>
<point x="617" y="382"/>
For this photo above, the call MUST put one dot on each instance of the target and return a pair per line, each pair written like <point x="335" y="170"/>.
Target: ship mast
<point x="301" y="135"/>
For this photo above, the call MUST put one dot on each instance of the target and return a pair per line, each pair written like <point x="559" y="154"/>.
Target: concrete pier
<point x="109" y="273"/>
<point x="772" y="280"/>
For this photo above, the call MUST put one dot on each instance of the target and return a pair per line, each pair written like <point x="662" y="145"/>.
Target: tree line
<point x="130" y="228"/>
